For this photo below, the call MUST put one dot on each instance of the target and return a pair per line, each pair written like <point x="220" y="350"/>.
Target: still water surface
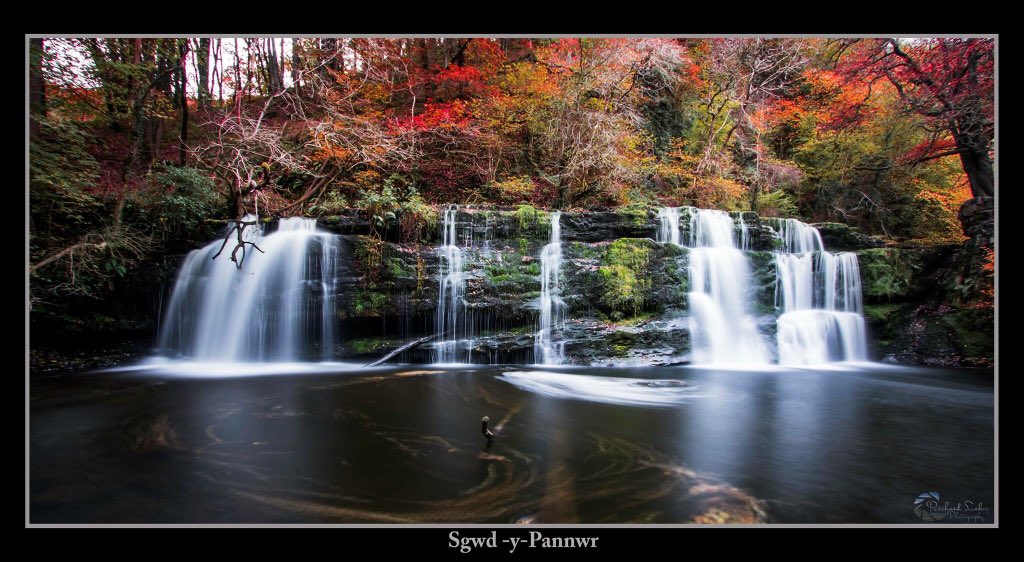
<point x="330" y="443"/>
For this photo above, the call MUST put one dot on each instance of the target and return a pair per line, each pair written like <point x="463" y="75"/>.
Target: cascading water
<point x="669" y="220"/>
<point x="744" y="234"/>
<point x="552" y="308"/>
<point x="721" y="328"/>
<point x="451" y="309"/>
<point x="280" y="306"/>
<point x="819" y="294"/>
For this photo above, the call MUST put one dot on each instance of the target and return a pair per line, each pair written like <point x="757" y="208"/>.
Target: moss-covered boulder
<point x="628" y="277"/>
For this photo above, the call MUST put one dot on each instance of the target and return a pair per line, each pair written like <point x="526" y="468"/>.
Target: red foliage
<point x="443" y="115"/>
<point x="926" y="149"/>
<point x="947" y="81"/>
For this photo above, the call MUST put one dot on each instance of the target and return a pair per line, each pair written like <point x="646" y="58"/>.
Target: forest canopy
<point x="139" y="143"/>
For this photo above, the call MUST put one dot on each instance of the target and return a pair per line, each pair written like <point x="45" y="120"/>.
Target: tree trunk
<point x="280" y="66"/>
<point x="977" y="165"/>
<point x="182" y="82"/>
<point x="273" y="74"/>
<point x="163" y="84"/>
<point x="296" y="66"/>
<point x="203" y="72"/>
<point x="37" y="86"/>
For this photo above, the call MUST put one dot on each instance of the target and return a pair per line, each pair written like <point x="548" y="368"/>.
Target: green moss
<point x="886" y="272"/>
<point x="397" y="268"/>
<point x="638" y="213"/>
<point x="525" y="329"/>
<point x="532" y="220"/>
<point x="583" y="251"/>
<point x="634" y="253"/>
<point x="512" y="265"/>
<point x="524" y="246"/>
<point x="882" y="313"/>
<point x="370" y="303"/>
<point x="625" y="278"/>
<point x="635" y="320"/>
<point x="513" y="279"/>
<point x="620" y="344"/>
<point x="369" y="345"/>
<point x="974" y="332"/>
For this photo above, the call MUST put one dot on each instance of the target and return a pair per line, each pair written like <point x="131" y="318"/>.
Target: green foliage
<point x="512" y="267"/>
<point x="188" y="197"/>
<point x="331" y="203"/>
<point x="397" y="198"/>
<point x="417" y="219"/>
<point x="61" y="170"/>
<point x="115" y="267"/>
<point x="382" y="207"/>
<point x="777" y="204"/>
<point x="882" y="313"/>
<point x="369" y="254"/>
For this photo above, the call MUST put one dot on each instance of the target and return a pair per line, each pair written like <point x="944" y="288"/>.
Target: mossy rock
<point x="639" y="214"/>
<point x="361" y="346"/>
<point x="625" y="277"/>
<point x="887" y="273"/>
<point x="582" y="251"/>
<point x="842" y="237"/>
<point x="882" y="313"/>
<point x="368" y="302"/>
<point x="634" y="253"/>
<point x="974" y="331"/>
<point x="532" y="220"/>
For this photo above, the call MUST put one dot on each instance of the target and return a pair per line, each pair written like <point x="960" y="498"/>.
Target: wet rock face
<point x="644" y="343"/>
<point x="921" y="306"/>
<point x="839" y="237"/>
<point x="977" y="216"/>
<point x="625" y="294"/>
<point x="606" y="226"/>
<point x="889" y="274"/>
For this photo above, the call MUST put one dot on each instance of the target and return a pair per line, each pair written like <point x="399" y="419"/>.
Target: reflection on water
<point x="610" y="390"/>
<point x="333" y="443"/>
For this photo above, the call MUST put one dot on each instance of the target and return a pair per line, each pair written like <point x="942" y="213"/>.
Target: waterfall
<point x="451" y="309"/>
<point x="798" y="237"/>
<point x="669" y="219"/>
<point x="721" y="327"/>
<point x="552" y="310"/>
<point x="279" y="306"/>
<point x="819" y="294"/>
<point x="744" y="234"/>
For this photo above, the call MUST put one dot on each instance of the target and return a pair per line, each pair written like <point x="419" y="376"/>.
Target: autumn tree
<point x="949" y="82"/>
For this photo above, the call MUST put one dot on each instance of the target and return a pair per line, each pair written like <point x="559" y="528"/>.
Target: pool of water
<point x="335" y="443"/>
